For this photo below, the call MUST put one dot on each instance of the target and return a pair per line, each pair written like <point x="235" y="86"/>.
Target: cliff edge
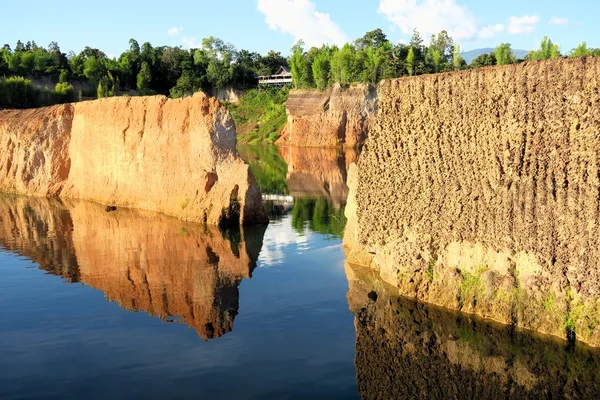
<point x="177" y="157"/>
<point x="479" y="191"/>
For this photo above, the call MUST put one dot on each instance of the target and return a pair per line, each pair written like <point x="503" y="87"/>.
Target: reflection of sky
<point x="278" y="239"/>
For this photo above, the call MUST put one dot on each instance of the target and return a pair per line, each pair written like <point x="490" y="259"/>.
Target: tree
<point x="581" y="50"/>
<point x="410" y="61"/>
<point x="220" y="56"/>
<point x="375" y="38"/>
<point x="483" y="60"/>
<point x="457" y="59"/>
<point x="144" y="78"/>
<point x="435" y="58"/>
<point x="444" y="44"/>
<point x="94" y="69"/>
<point x="321" y="68"/>
<point x="504" y="54"/>
<point x="101" y="90"/>
<point x="270" y="63"/>
<point x="343" y="65"/>
<point x="64" y="76"/>
<point x="300" y="67"/>
<point x="546" y="51"/>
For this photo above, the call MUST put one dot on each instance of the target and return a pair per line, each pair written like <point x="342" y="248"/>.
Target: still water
<point x="134" y="304"/>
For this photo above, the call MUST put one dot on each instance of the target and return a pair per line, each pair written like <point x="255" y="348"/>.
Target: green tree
<point x="144" y="78"/>
<point x="434" y="57"/>
<point x="457" y="59"/>
<point x="504" y="54"/>
<point x="443" y="43"/>
<point x="321" y="69"/>
<point x="483" y="60"/>
<point x="410" y="61"/>
<point x="375" y="39"/>
<point x="581" y="50"/>
<point x="300" y="67"/>
<point x="94" y="70"/>
<point x="546" y="51"/>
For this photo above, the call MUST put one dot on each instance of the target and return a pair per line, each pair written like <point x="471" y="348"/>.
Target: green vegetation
<point x="260" y="115"/>
<point x="18" y="92"/>
<point x="178" y="72"/>
<point x="471" y="286"/>
<point x="431" y="268"/>
<point x="144" y="69"/>
<point x="319" y="215"/>
<point x="267" y="166"/>
<point x="373" y="58"/>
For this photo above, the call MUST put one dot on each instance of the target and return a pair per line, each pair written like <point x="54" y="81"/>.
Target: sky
<point x="263" y="25"/>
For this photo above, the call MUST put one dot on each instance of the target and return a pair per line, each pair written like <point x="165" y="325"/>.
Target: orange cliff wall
<point x="173" y="156"/>
<point x="337" y="116"/>
<point x="478" y="190"/>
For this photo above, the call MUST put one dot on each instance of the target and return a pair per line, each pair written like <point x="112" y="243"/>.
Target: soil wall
<point x="173" y="156"/>
<point x="479" y="191"/>
<point x="337" y="116"/>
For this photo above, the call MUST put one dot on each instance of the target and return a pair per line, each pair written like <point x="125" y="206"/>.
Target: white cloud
<point x="301" y="19"/>
<point x="175" y="31"/>
<point x="430" y="17"/>
<point x="488" y="32"/>
<point x="278" y="238"/>
<point x="524" y="24"/>
<point x="190" y="42"/>
<point x="559" y="21"/>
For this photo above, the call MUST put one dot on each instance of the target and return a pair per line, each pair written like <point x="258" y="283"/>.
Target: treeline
<point x="373" y="57"/>
<point x="171" y="71"/>
<point x="18" y="92"/>
<point x="176" y="72"/>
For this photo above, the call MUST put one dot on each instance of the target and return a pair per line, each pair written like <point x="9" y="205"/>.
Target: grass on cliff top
<point x="260" y="115"/>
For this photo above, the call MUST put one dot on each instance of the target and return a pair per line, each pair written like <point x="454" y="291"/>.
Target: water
<point x="134" y="304"/>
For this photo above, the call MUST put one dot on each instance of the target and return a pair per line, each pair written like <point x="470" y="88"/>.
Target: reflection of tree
<point x="320" y="215"/>
<point x="268" y="167"/>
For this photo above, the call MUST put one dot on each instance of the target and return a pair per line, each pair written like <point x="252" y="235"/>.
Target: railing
<point x="274" y="79"/>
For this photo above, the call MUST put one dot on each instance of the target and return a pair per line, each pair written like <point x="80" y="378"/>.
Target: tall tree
<point x="457" y="58"/>
<point x="144" y="78"/>
<point x="504" y="54"/>
<point x="410" y="61"/>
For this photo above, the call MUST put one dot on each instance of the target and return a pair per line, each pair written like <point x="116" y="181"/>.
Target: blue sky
<point x="261" y="25"/>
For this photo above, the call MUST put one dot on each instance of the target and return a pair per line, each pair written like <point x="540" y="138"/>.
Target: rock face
<point x="478" y="191"/>
<point x="338" y="116"/>
<point x="173" y="156"/>
<point x="143" y="260"/>
<point x="409" y="350"/>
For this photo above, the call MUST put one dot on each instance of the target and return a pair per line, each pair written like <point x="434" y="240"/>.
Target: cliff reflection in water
<point x="406" y="349"/>
<point x="143" y="260"/>
<point x="314" y="177"/>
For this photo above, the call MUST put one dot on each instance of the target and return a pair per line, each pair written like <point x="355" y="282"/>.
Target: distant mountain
<point x="472" y="54"/>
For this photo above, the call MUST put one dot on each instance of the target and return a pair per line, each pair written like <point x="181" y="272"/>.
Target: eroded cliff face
<point x="173" y="156"/>
<point x="478" y="191"/>
<point x="143" y="260"/>
<point x="407" y="349"/>
<point x="337" y="116"/>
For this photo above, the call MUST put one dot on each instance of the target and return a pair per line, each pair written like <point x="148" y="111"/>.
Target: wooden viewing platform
<point x="280" y="79"/>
